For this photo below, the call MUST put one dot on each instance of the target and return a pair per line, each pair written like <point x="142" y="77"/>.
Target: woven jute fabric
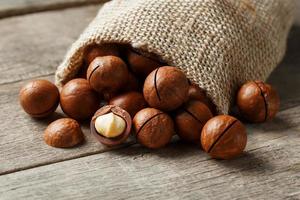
<point x="218" y="44"/>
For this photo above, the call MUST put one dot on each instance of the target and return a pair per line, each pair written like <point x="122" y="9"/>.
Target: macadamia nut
<point x="113" y="125"/>
<point x="110" y="125"/>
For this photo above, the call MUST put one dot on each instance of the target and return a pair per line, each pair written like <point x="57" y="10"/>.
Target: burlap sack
<point x="219" y="44"/>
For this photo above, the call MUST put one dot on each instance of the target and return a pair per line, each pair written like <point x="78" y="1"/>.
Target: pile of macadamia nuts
<point x="123" y="92"/>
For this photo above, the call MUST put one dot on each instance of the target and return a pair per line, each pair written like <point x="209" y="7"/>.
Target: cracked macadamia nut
<point x="78" y="100"/>
<point x="190" y="119"/>
<point x="39" y="98"/>
<point x="166" y="88"/>
<point x="257" y="101"/>
<point x="95" y="51"/>
<point x="107" y="74"/>
<point x="63" y="133"/>
<point x="153" y="128"/>
<point x="111" y="125"/>
<point x="141" y="65"/>
<point x="132" y="102"/>
<point x="224" y="137"/>
<point x="197" y="93"/>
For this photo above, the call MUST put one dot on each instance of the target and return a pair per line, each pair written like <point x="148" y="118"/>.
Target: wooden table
<point x="32" y="45"/>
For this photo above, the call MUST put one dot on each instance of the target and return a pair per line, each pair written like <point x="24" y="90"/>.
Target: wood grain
<point x="35" y="44"/>
<point x="21" y="137"/>
<point x="9" y="8"/>
<point x="269" y="170"/>
<point x="29" y="169"/>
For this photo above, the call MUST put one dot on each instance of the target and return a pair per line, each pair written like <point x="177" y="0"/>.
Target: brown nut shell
<point x="141" y="65"/>
<point x="132" y="102"/>
<point x="197" y="93"/>
<point x="63" y="133"/>
<point x="107" y="74"/>
<point x="190" y="120"/>
<point x="78" y="100"/>
<point x="109" y="95"/>
<point x="224" y="137"/>
<point x="258" y="101"/>
<point x="117" y="111"/>
<point x="133" y="84"/>
<point x="39" y="98"/>
<point x="94" y="51"/>
<point x="166" y="88"/>
<point x="82" y="71"/>
<point x="153" y="128"/>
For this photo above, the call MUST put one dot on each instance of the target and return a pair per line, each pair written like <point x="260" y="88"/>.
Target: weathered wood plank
<point x="21" y="141"/>
<point x="10" y="8"/>
<point x="34" y="45"/>
<point x="21" y="137"/>
<point x="269" y="170"/>
<point x="37" y="51"/>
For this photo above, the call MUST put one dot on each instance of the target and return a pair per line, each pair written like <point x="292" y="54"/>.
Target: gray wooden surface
<point x="10" y="8"/>
<point x="32" y="45"/>
<point x="24" y="57"/>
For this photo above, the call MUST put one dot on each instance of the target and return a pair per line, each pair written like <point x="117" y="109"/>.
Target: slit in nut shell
<point x="153" y="128"/>
<point x="111" y="125"/>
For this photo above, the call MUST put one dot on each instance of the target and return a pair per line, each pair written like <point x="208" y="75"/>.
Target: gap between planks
<point x="125" y="148"/>
<point x="66" y="159"/>
<point x="178" y="171"/>
<point x="46" y="37"/>
<point x="28" y="79"/>
<point x="276" y="79"/>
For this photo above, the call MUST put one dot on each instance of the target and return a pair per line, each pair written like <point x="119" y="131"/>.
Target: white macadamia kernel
<point x="110" y="125"/>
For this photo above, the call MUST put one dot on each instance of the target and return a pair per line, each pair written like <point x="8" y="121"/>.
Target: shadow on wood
<point x="50" y="119"/>
<point x="249" y="162"/>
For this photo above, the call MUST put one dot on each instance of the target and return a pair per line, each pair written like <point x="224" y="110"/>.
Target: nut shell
<point x="141" y="65"/>
<point x="258" y="101"/>
<point x="224" y="137"/>
<point x="190" y="120"/>
<point x="94" y="51"/>
<point x="63" y="133"/>
<point x="166" y="88"/>
<point x="117" y="111"/>
<point x="78" y="100"/>
<point x="153" y="128"/>
<point x="107" y="74"/>
<point x="133" y="84"/>
<point x="82" y="71"/>
<point x="132" y="102"/>
<point x="197" y="93"/>
<point x="39" y="98"/>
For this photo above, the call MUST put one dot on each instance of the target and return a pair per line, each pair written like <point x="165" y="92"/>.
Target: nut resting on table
<point x="122" y="93"/>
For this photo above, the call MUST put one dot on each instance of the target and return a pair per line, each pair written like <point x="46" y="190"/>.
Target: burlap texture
<point x="219" y="44"/>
